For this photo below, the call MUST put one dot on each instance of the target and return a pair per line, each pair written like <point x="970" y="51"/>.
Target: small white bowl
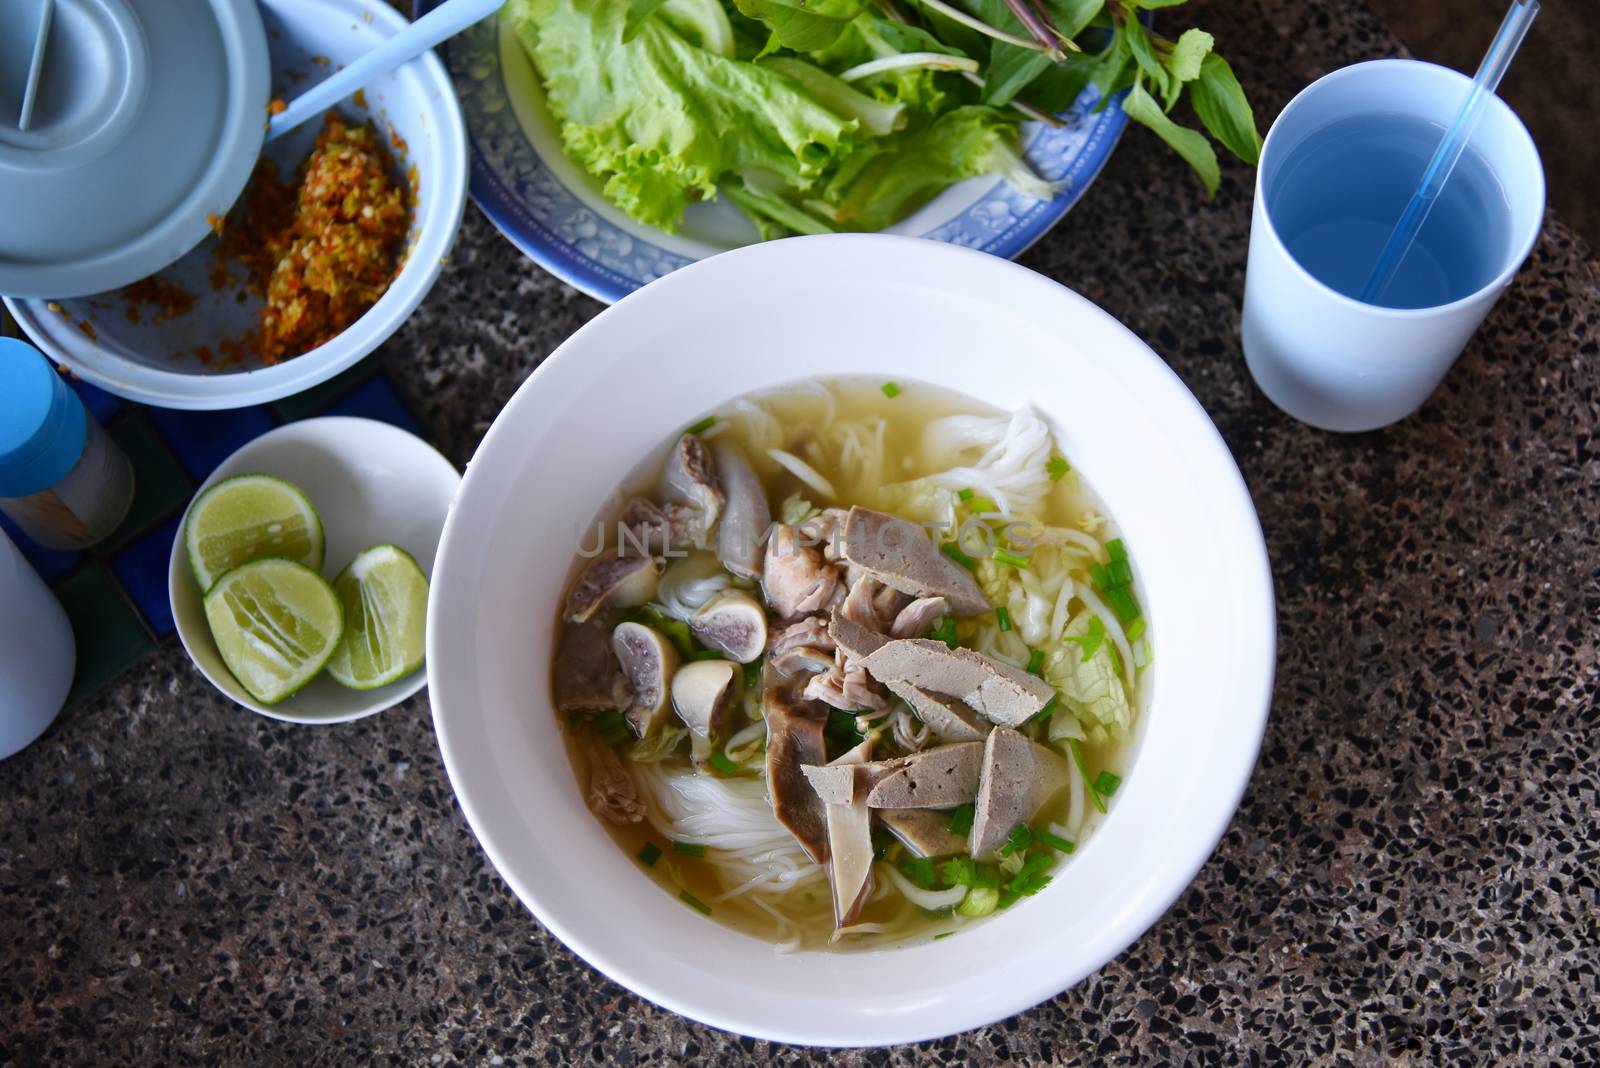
<point x="904" y="309"/>
<point x="155" y="362"/>
<point x="372" y="484"/>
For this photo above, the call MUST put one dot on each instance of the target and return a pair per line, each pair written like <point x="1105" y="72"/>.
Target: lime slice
<point x="276" y="623"/>
<point x="247" y="518"/>
<point x="385" y="598"/>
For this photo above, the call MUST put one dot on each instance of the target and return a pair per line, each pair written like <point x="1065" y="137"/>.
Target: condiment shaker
<point x="62" y="479"/>
<point x="37" y="652"/>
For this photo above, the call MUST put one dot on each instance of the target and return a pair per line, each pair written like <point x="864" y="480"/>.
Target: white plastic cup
<point x="37" y="652"/>
<point x="1328" y="359"/>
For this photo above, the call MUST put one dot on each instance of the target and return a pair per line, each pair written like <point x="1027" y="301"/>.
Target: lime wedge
<point x="247" y="518"/>
<point x="276" y="623"/>
<point x="385" y="598"/>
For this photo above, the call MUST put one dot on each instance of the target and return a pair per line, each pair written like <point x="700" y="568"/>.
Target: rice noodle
<point x="1012" y="470"/>
<point x="804" y="472"/>
<point x="1113" y="628"/>
<point x="689" y="582"/>
<point x="927" y="899"/>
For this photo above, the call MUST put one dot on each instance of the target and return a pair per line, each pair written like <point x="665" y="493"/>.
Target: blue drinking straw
<point x="1490" y="71"/>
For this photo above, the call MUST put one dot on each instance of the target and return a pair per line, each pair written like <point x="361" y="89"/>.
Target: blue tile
<point x="142" y="567"/>
<point x="101" y="404"/>
<point x="202" y="440"/>
<point x="376" y="399"/>
<point x="51" y="564"/>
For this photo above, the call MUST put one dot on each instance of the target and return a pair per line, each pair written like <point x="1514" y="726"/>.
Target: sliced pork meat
<point x="613" y="580"/>
<point x="794" y="740"/>
<point x="918" y="617"/>
<point x="850" y="847"/>
<point x="587" y="676"/>
<point x="997" y="691"/>
<point x="611" y="794"/>
<point x="746" y="515"/>
<point x="859" y="607"/>
<point x="811" y="631"/>
<point x="802" y="659"/>
<point x="846" y="687"/>
<point x="1018" y="778"/>
<point x="795" y="577"/>
<point x="900" y="554"/>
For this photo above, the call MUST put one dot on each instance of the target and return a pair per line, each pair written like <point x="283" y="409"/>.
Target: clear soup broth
<point x="693" y="800"/>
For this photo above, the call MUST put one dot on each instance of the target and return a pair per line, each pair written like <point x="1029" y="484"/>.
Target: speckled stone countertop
<point x="1412" y="875"/>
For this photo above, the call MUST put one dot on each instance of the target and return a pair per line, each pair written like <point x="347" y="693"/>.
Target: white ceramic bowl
<point x="156" y="362"/>
<point x="372" y="484"/>
<point x="904" y="309"/>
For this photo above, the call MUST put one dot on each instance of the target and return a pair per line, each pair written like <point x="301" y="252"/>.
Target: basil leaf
<point x="1072" y="16"/>
<point x="1192" y="48"/>
<point x="1011" y="69"/>
<point x="1144" y="53"/>
<point x="1190" y="144"/>
<point x="638" y="11"/>
<point x="1219" y="101"/>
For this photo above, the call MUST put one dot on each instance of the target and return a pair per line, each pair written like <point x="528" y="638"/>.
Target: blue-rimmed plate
<point x="555" y="213"/>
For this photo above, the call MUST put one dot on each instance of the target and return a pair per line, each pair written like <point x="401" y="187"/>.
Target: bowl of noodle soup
<point x="1093" y="563"/>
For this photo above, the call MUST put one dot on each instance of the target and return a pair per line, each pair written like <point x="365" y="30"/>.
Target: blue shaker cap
<point x="42" y="422"/>
<point x="124" y="126"/>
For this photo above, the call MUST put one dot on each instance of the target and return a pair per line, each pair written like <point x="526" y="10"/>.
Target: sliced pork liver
<point x="794" y="740"/>
<point x="997" y="691"/>
<point x="948" y="717"/>
<point x="925" y="831"/>
<point x="1018" y="777"/>
<point x="900" y="554"/>
<point x="935" y="778"/>
<point x="857" y="642"/>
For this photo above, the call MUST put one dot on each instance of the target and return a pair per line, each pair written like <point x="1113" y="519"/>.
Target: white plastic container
<point x="37" y="652"/>
<point x="1332" y="361"/>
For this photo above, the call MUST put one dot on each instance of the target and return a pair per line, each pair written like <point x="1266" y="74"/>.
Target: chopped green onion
<point x="965" y="494"/>
<point x="953" y="551"/>
<point x="980" y="901"/>
<point x="1123" y="604"/>
<point x="1135" y="629"/>
<point x="1106" y="783"/>
<point x="752" y="673"/>
<point x="694" y="902"/>
<point x="1116" y="658"/>
<point x="943" y="934"/>
<point x="1090" y="640"/>
<point x="1019" y="838"/>
<point x="1116" y="550"/>
<point x="945" y="632"/>
<point x="1077" y="758"/>
<point x="961" y="819"/>
<point x="1029" y="880"/>
<point x="1100" y="577"/>
<point x="1003" y="617"/>
<point x="612" y="728"/>
<point x="1036" y="662"/>
<point x="706" y="654"/>
<point x="890" y="390"/>
<point x="1056" y="842"/>
<point x="724" y="766"/>
<point x="1047" y="711"/>
<point x="689" y="849"/>
<point x="1056" y="468"/>
<point x="1121" y="572"/>
<point x="982" y="504"/>
<point x="701" y="427"/>
<point x="920" y="871"/>
<point x="1141" y="654"/>
<point x="1009" y="558"/>
<point x="964" y="871"/>
<point x="649" y="854"/>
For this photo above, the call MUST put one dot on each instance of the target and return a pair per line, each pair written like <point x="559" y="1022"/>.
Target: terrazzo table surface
<point x="1412" y="875"/>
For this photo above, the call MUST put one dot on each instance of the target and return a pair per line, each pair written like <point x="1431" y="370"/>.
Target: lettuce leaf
<point x="1090" y="687"/>
<point x="660" y="119"/>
